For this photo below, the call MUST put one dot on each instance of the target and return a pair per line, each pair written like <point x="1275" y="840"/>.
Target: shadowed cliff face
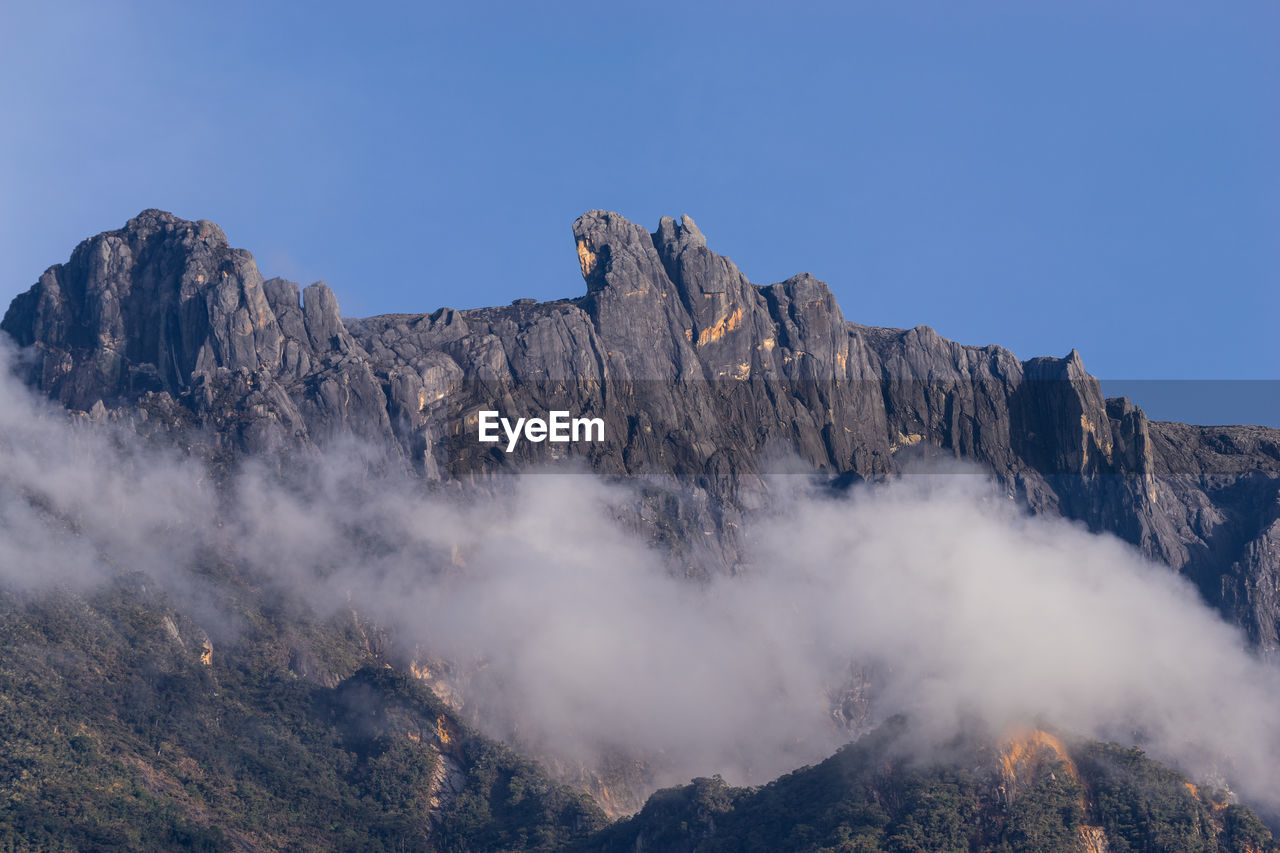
<point x="700" y="376"/>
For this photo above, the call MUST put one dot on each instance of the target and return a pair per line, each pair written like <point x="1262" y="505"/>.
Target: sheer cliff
<point x="700" y="376"/>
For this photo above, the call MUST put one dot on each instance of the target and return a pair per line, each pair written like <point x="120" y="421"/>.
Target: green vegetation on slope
<point x="871" y="797"/>
<point x="124" y="730"/>
<point x="126" y="727"/>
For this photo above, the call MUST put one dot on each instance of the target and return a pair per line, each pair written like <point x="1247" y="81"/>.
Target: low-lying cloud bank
<point x="574" y="637"/>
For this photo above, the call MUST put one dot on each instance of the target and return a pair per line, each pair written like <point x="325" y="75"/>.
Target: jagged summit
<point x="697" y="372"/>
<point x="153" y="220"/>
<point x="160" y="306"/>
<point x="686" y="232"/>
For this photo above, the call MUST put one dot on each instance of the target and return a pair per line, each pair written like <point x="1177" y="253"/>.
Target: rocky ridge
<point x="700" y="375"/>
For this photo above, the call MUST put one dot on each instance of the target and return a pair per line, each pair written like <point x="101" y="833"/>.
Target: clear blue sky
<point x="1039" y="175"/>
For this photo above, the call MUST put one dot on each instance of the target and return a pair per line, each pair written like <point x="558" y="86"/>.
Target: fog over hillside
<point x="566" y="631"/>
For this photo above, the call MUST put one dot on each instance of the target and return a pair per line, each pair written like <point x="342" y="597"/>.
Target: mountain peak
<point x="154" y="221"/>
<point x="685" y="233"/>
<point x="699" y="372"/>
<point x="604" y="238"/>
<point x="147" y="307"/>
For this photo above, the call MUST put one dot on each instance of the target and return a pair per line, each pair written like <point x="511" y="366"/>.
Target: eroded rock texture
<point x="703" y="379"/>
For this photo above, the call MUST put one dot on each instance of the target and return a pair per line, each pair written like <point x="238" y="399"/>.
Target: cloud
<point x="570" y="635"/>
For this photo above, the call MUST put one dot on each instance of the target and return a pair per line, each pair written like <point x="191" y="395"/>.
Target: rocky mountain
<point x="223" y="714"/>
<point x="699" y="375"/>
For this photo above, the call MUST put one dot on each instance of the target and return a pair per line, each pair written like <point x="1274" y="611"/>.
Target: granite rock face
<point x="163" y="310"/>
<point x="702" y="378"/>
